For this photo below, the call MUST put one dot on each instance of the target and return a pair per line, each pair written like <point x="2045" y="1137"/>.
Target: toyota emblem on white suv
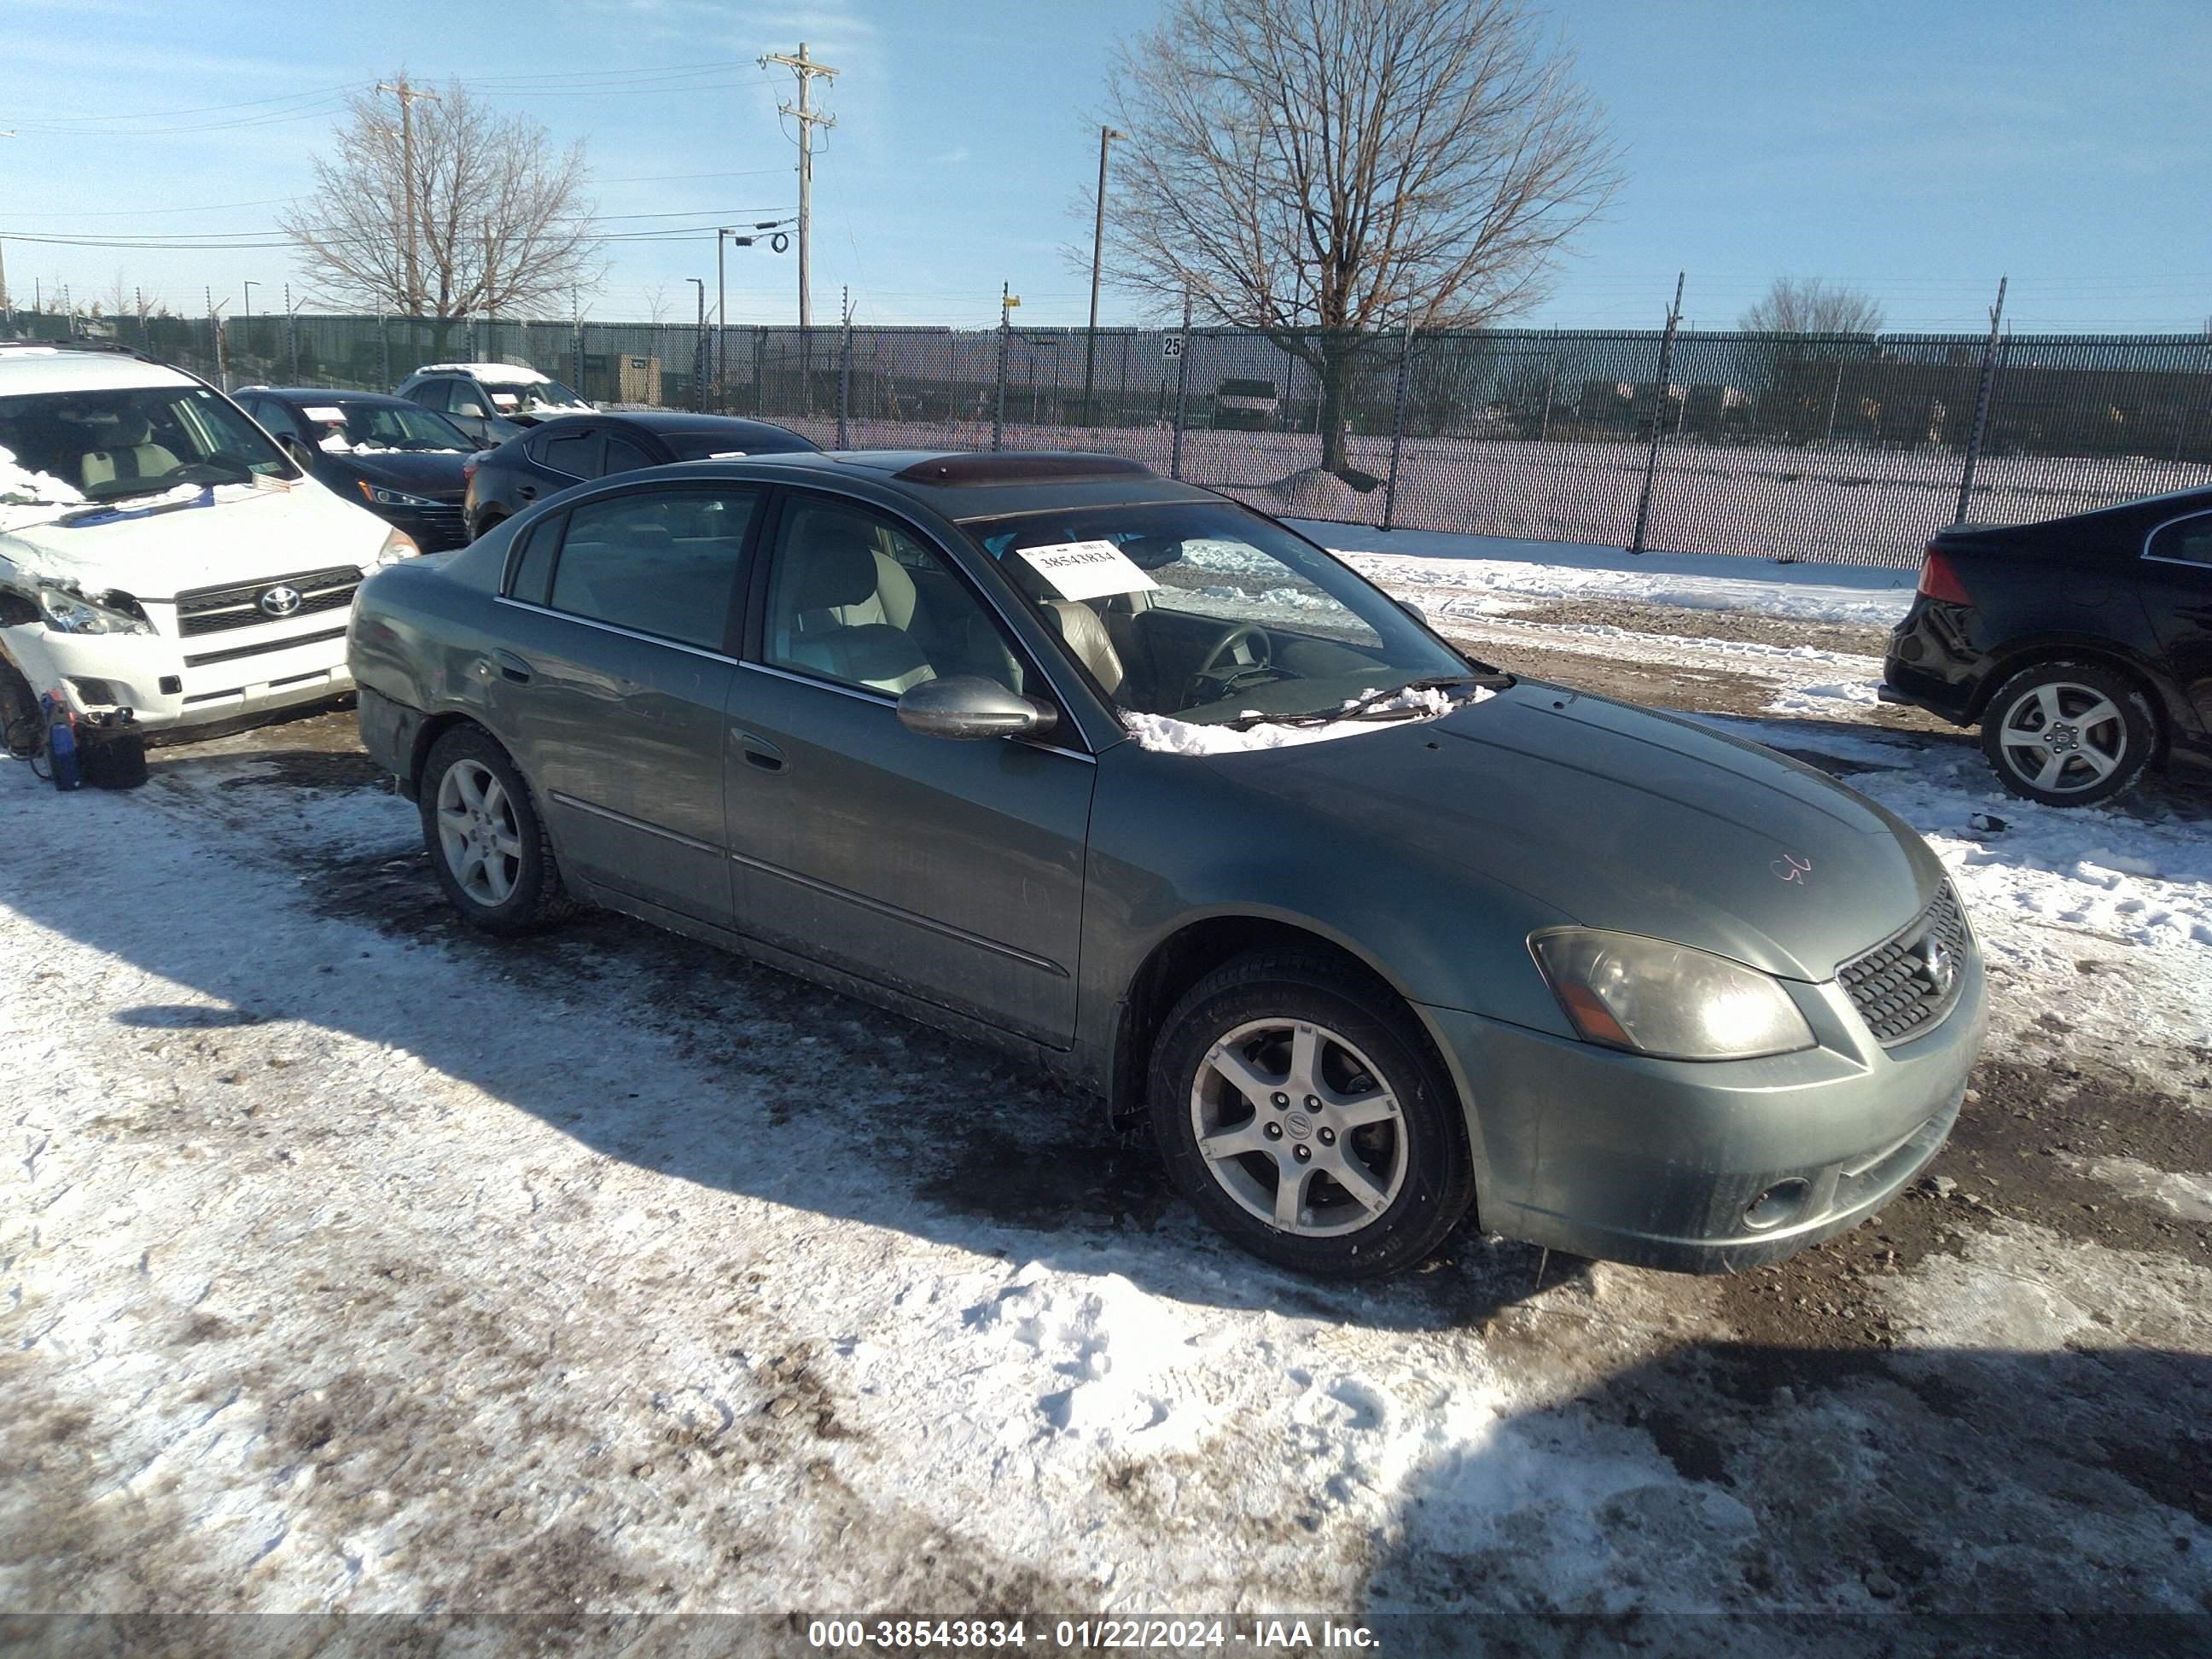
<point x="280" y="600"/>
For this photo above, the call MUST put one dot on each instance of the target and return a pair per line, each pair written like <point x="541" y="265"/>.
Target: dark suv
<point x="2082" y="645"/>
<point x="569" y="451"/>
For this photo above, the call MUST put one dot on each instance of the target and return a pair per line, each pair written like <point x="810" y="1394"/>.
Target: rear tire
<point x="2069" y="733"/>
<point x="1301" y="1110"/>
<point x="488" y="845"/>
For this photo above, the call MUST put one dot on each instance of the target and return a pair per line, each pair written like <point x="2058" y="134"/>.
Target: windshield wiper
<point x="1363" y="707"/>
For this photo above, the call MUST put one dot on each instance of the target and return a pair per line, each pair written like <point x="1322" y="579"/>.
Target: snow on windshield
<point x="1166" y="736"/>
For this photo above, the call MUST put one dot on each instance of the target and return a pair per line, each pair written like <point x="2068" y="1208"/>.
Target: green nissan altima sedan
<point x="1067" y="757"/>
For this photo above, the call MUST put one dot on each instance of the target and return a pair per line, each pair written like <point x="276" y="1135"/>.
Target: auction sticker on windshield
<point x="1086" y="570"/>
<point x="325" y="416"/>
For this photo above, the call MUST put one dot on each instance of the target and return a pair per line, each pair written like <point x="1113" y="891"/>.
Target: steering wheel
<point x="1245" y="647"/>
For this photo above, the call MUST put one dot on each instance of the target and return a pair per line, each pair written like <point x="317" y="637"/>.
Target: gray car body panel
<point x="1429" y="851"/>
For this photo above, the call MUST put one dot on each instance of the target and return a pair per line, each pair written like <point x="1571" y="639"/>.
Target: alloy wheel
<point x="2062" y="737"/>
<point x="1299" y="1128"/>
<point x="477" y="832"/>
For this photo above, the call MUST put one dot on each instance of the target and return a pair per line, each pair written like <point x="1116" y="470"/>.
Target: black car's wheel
<point x="1301" y="1112"/>
<point x="487" y="843"/>
<point x="485" y="526"/>
<point x="2069" y="733"/>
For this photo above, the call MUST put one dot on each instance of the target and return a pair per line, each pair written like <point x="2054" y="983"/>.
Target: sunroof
<point x="1031" y="468"/>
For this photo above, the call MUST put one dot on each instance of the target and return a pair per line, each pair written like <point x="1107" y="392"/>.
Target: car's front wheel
<point x="1302" y="1112"/>
<point x="2069" y="733"/>
<point x="488" y="845"/>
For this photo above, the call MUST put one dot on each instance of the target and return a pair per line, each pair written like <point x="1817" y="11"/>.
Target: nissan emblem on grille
<point x="280" y="600"/>
<point x="1901" y="987"/>
<point x="1936" y="964"/>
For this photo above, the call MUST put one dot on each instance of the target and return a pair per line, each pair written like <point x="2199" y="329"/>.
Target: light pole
<point x="699" y="347"/>
<point x="1106" y="135"/>
<point x="246" y="308"/>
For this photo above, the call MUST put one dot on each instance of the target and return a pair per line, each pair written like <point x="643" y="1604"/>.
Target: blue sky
<point x="1918" y="150"/>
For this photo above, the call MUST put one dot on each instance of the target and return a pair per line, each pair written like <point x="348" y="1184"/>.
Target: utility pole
<point x="1106" y="135"/>
<point x="721" y="316"/>
<point x="1658" y="412"/>
<point x="1981" y="405"/>
<point x="407" y="95"/>
<point x="806" y="68"/>
<point x="699" y="347"/>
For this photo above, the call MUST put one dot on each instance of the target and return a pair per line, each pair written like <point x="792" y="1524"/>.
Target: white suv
<point x="163" y="562"/>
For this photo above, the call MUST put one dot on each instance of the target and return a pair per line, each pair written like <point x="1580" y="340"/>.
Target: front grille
<point x="213" y="610"/>
<point x="434" y="529"/>
<point x="1898" y="988"/>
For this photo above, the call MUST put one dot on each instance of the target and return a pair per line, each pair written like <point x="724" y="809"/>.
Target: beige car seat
<point x="133" y="455"/>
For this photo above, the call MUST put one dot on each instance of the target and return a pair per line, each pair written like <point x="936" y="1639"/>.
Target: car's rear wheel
<point x="2069" y="733"/>
<point x="21" y="727"/>
<point x="487" y="843"/>
<point x="1302" y="1112"/>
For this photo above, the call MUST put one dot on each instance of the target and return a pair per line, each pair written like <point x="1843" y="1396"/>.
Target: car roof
<point x="968" y="485"/>
<point x="30" y="369"/>
<point x="503" y="374"/>
<point x="682" y="419"/>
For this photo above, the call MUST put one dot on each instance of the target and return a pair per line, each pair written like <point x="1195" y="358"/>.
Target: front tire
<point x="2069" y="733"/>
<point x="488" y="845"/>
<point x="1302" y="1113"/>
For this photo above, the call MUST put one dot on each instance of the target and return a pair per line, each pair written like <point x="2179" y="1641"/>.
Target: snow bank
<point x="1165" y="735"/>
<point x="1419" y="560"/>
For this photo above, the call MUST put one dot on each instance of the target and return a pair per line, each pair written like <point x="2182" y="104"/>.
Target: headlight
<point x="72" y="613"/>
<point x="397" y="545"/>
<point x="1666" y="1000"/>
<point x="379" y="496"/>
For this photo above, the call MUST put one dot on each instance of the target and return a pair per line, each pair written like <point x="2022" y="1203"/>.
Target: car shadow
<point x="1980" y="1490"/>
<point x="843" y="1109"/>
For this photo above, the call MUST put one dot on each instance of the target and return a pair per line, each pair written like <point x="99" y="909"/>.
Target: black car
<point x="403" y="463"/>
<point x="558" y="453"/>
<point x="2082" y="645"/>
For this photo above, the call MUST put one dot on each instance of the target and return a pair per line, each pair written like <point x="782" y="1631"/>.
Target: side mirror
<point x="1414" y="612"/>
<point x="298" y="449"/>
<point x="968" y="706"/>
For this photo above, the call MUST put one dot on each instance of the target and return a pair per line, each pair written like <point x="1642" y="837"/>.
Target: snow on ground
<point x="1474" y="567"/>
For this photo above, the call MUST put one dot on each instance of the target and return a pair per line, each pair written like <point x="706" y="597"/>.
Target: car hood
<point x="1623" y="819"/>
<point x="435" y="473"/>
<point x="232" y="533"/>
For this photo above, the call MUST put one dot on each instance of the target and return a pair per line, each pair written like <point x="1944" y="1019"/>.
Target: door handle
<point x="759" y="752"/>
<point x="528" y="492"/>
<point x="511" y="667"/>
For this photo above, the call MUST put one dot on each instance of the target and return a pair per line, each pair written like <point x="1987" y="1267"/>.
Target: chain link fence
<point x="1846" y="448"/>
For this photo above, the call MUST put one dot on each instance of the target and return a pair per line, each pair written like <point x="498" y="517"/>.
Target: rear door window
<point x="574" y="453"/>
<point x="624" y="456"/>
<point x="2185" y="541"/>
<point x="658" y="562"/>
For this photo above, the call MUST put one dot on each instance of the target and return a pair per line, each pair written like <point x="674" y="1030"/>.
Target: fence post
<point x="999" y="403"/>
<point x="1658" y="413"/>
<point x="1981" y="406"/>
<point x="292" y="334"/>
<point x="383" y="350"/>
<point x="1397" y="426"/>
<point x="1182" y="386"/>
<point x="577" y="352"/>
<point x="845" y="375"/>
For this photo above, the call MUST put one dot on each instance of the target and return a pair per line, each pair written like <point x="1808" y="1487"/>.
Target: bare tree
<point x="1328" y="170"/>
<point x="1811" y="306"/>
<point x="658" y="304"/>
<point x="501" y="222"/>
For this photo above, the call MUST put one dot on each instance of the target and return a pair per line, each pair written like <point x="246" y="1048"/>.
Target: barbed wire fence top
<point x="1850" y="448"/>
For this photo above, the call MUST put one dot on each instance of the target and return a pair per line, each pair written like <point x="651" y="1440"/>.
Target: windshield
<point x="383" y="426"/>
<point x="138" y="440"/>
<point x="1207" y="613"/>
<point x="534" y="394"/>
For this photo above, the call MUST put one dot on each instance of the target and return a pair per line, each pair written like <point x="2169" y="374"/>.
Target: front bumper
<point x="1660" y="1164"/>
<point x="170" y="684"/>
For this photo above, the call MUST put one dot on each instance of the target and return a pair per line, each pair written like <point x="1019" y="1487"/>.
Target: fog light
<point x="172" y="684"/>
<point x="1779" y="1203"/>
<point x="94" y="694"/>
<point x="1910" y="648"/>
